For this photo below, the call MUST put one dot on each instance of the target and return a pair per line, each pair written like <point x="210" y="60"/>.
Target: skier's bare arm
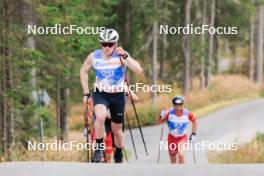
<point x="84" y="74"/>
<point x="129" y="61"/>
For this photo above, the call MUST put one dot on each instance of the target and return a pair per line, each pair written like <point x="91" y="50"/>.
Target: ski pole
<point x="193" y="153"/>
<point x="89" y="129"/>
<point x="86" y="125"/>
<point x="125" y="153"/>
<point x="134" y="107"/>
<point x="131" y="135"/>
<point x="92" y="137"/>
<point x="139" y="126"/>
<point x="161" y="136"/>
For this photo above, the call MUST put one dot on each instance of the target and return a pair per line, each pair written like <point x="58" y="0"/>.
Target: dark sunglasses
<point x="179" y="104"/>
<point x="107" y="44"/>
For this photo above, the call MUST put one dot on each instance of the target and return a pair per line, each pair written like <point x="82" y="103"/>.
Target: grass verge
<point x="252" y="152"/>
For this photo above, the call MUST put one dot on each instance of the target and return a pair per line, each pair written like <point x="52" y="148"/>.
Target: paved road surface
<point x="83" y="169"/>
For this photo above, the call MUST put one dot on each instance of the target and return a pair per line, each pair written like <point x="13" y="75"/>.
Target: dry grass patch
<point x="225" y="90"/>
<point x="252" y="152"/>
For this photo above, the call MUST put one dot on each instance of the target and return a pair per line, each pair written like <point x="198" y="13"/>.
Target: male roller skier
<point x="178" y="119"/>
<point x="108" y="63"/>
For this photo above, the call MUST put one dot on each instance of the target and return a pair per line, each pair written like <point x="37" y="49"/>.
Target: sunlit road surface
<point x="84" y="169"/>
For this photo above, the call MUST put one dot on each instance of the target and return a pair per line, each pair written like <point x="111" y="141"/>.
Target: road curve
<point x="237" y="123"/>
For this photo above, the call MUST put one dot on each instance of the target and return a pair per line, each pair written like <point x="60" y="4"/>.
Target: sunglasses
<point x="178" y="104"/>
<point x="109" y="45"/>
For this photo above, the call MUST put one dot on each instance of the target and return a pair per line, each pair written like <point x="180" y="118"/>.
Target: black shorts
<point x="115" y="102"/>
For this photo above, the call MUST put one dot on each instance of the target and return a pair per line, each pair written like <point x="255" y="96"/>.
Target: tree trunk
<point x="259" y="45"/>
<point x="211" y="47"/>
<point x="216" y="57"/>
<point x="2" y="101"/>
<point x="28" y="19"/>
<point x="64" y="96"/>
<point x="2" y="114"/>
<point x="2" y="130"/>
<point x="234" y="58"/>
<point x="128" y="34"/>
<point x="127" y="24"/>
<point x="9" y="109"/>
<point x="163" y="55"/>
<point x="186" y="48"/>
<point x="154" y="60"/>
<point x="8" y="103"/>
<point x="154" y="57"/>
<point x="226" y="47"/>
<point x="3" y="108"/>
<point x="58" y="102"/>
<point x="203" y="46"/>
<point x="251" y="50"/>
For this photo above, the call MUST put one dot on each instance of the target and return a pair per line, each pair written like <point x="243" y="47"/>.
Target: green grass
<point x="262" y="94"/>
<point x="260" y="137"/>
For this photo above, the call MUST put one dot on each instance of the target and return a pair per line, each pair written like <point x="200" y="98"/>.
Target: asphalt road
<point x="83" y="169"/>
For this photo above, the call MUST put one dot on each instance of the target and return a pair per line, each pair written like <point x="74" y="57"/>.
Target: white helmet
<point x="178" y="100"/>
<point x="109" y="36"/>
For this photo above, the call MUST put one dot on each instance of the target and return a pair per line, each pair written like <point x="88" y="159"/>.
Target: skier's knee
<point x="117" y="131"/>
<point x="100" y="119"/>
<point x="180" y="154"/>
